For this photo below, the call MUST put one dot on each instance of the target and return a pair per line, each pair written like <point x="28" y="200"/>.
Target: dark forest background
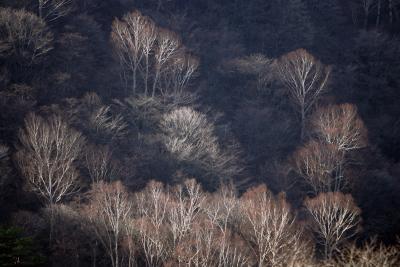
<point x="249" y="132"/>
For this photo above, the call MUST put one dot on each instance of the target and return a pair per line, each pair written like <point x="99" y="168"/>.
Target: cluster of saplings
<point x="89" y="158"/>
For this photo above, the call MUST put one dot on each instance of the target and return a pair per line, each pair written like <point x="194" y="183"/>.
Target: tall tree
<point x="306" y="80"/>
<point x="320" y="165"/>
<point x="191" y="138"/>
<point x="335" y="218"/>
<point x="24" y="38"/>
<point x="269" y="224"/>
<point x="340" y="126"/>
<point x="49" y="149"/>
<point x="109" y="211"/>
<point x="127" y="37"/>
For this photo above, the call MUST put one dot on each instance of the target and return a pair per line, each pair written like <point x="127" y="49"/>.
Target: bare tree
<point x="52" y="10"/>
<point x="321" y="166"/>
<point x="269" y="225"/>
<point x="340" y="126"/>
<point x="305" y="79"/>
<point x="371" y="253"/>
<point x="168" y="45"/>
<point x="181" y="70"/>
<point x="255" y="64"/>
<point x="154" y="53"/>
<point x="196" y="248"/>
<point x="111" y="126"/>
<point x="189" y="136"/>
<point x="47" y="155"/>
<point x="130" y="244"/>
<point x="151" y="223"/>
<point x="223" y="212"/>
<point x="148" y="42"/>
<point x="335" y="219"/>
<point x="46" y="158"/>
<point x="23" y="35"/>
<point x="98" y="161"/>
<point x="109" y="211"/>
<point x="126" y="37"/>
<point x="184" y="208"/>
<point x="205" y="246"/>
<point x="222" y="207"/>
<point x="321" y="162"/>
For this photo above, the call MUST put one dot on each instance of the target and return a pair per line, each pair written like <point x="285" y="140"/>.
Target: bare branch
<point x="52" y="10"/>
<point x="98" y="161"/>
<point x="190" y="137"/>
<point x="335" y="219"/>
<point x="321" y="165"/>
<point x="269" y="225"/>
<point x="112" y="126"/>
<point x="109" y="211"/>
<point x="305" y="79"/>
<point x="47" y="155"/>
<point x="340" y="126"/>
<point x="23" y="35"/>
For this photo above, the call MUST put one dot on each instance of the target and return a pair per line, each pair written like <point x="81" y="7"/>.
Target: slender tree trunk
<point x="95" y="254"/>
<point x="326" y="250"/>
<point x="51" y="225"/>
<point x="146" y="78"/>
<point x="339" y="177"/>
<point x="156" y="77"/>
<point x="303" y="124"/>
<point x="378" y="15"/>
<point x="116" y="252"/>
<point x="391" y="12"/>
<point x="131" y="254"/>
<point x="134" y="79"/>
<point x="124" y="80"/>
<point x="260" y="261"/>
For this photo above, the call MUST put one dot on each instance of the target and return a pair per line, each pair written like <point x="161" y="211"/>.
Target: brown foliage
<point x="339" y="125"/>
<point x="109" y="210"/>
<point x="320" y="165"/>
<point x="269" y="226"/>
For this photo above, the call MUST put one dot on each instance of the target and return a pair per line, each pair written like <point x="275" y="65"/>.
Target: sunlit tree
<point x="46" y="157"/>
<point x="109" y="211"/>
<point x="305" y="79"/>
<point x="335" y="218"/>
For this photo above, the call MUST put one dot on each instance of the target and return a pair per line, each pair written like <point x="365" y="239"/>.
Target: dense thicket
<point x="271" y="127"/>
